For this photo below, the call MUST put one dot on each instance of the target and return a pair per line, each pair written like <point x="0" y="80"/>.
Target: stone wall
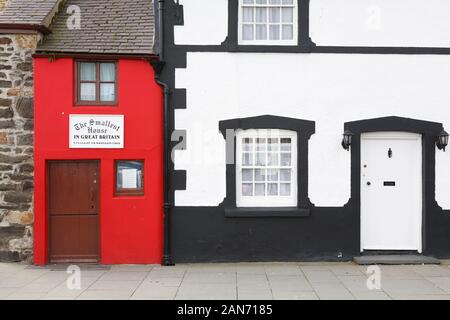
<point x="16" y="146"/>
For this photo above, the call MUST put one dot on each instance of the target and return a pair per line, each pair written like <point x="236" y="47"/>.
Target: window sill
<point x="267" y="212"/>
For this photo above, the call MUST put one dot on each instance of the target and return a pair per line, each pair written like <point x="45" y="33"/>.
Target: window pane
<point x="107" y="92"/>
<point x="274" y="32"/>
<point x="285" y="175"/>
<point x="260" y="175"/>
<point x="261" y="1"/>
<point x="248" y="144"/>
<point x="285" y="189"/>
<point x="247" y="159"/>
<point x="286" y="144"/>
<point x="247" y="32"/>
<point x="87" y="71"/>
<point x="288" y="32"/>
<point x="260" y="189"/>
<point x="107" y="72"/>
<point x="260" y="144"/>
<point x="274" y="1"/>
<point x="249" y="1"/>
<point x="274" y="15"/>
<point x="261" y="32"/>
<point x="260" y="159"/>
<point x="247" y="15"/>
<point x="130" y="175"/>
<point x="288" y="2"/>
<point x="272" y="175"/>
<point x="287" y="15"/>
<point x="285" y="159"/>
<point x="87" y="92"/>
<point x="261" y="15"/>
<point x="272" y="189"/>
<point x="247" y="189"/>
<point x="273" y="144"/>
<point x="272" y="159"/>
<point x="247" y="175"/>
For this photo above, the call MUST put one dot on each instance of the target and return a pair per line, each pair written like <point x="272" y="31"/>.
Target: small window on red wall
<point x="96" y="83"/>
<point x="129" y="178"/>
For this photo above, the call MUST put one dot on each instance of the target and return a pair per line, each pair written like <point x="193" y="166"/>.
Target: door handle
<point x="369" y="183"/>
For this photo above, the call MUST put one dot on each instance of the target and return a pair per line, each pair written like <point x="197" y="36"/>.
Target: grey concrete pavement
<point x="233" y="281"/>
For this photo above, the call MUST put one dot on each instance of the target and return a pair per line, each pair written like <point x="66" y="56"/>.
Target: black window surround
<point x="304" y="42"/>
<point x="304" y="129"/>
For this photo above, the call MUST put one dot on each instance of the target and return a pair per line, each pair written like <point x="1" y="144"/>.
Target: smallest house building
<point x="98" y="142"/>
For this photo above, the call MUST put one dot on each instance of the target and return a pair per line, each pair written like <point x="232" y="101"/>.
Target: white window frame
<point x="280" y="42"/>
<point x="267" y="201"/>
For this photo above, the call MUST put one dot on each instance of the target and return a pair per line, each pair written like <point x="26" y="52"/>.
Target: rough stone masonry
<point x="16" y="146"/>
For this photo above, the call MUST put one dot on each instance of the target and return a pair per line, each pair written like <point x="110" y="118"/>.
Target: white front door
<point x="391" y="191"/>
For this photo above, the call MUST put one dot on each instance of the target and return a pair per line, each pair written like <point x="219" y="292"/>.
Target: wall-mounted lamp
<point x="442" y="140"/>
<point x="347" y="140"/>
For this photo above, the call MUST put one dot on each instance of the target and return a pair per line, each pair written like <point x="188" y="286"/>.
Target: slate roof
<point x="31" y="12"/>
<point x="107" y="26"/>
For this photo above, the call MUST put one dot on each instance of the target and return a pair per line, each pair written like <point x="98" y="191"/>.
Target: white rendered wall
<point x="329" y="89"/>
<point x="400" y="23"/>
<point x="205" y="22"/>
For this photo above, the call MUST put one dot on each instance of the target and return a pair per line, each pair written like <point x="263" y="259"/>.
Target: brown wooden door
<point x="73" y="205"/>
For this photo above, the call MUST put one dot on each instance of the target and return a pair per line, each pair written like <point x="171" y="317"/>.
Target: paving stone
<point x="210" y="278"/>
<point x="289" y="283"/>
<point x="441" y="282"/>
<point x="146" y="292"/>
<point x="334" y="291"/>
<point x="316" y="276"/>
<point x="431" y="270"/>
<point x="104" y="295"/>
<point x="356" y="284"/>
<point x="5" y="292"/>
<point x="247" y="295"/>
<point x="376" y="295"/>
<point x="295" y="296"/>
<point x="132" y="268"/>
<point x="410" y="286"/>
<point x="115" y="285"/>
<point x="283" y="269"/>
<point x="124" y="276"/>
<point x="25" y="296"/>
<point x="212" y="268"/>
<point x="207" y="291"/>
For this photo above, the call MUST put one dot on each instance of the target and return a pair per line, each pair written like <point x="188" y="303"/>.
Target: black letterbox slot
<point x="389" y="183"/>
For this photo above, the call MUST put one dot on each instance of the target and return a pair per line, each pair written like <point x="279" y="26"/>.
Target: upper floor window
<point x="96" y="83"/>
<point x="268" y="22"/>
<point x="266" y="168"/>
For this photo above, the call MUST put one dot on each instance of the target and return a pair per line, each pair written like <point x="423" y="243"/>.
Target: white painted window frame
<point x="267" y="201"/>
<point x="292" y="42"/>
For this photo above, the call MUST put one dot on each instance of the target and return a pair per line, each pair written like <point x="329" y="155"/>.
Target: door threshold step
<point x="395" y="260"/>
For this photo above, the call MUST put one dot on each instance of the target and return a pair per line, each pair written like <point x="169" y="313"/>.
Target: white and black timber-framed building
<point x="285" y="79"/>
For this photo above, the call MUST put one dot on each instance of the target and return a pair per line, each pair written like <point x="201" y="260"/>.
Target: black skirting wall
<point x="204" y="234"/>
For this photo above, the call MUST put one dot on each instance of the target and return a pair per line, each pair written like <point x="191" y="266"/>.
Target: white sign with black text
<point x="96" y="131"/>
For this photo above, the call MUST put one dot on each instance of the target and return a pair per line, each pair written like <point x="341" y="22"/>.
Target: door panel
<point x="73" y="204"/>
<point x="391" y="191"/>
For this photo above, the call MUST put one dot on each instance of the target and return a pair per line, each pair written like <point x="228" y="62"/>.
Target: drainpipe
<point x="167" y="255"/>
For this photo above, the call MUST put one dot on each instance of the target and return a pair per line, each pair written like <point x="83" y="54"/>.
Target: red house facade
<point x="99" y="138"/>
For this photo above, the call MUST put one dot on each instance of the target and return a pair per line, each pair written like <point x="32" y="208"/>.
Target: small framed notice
<point x="96" y="131"/>
<point x="129" y="177"/>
